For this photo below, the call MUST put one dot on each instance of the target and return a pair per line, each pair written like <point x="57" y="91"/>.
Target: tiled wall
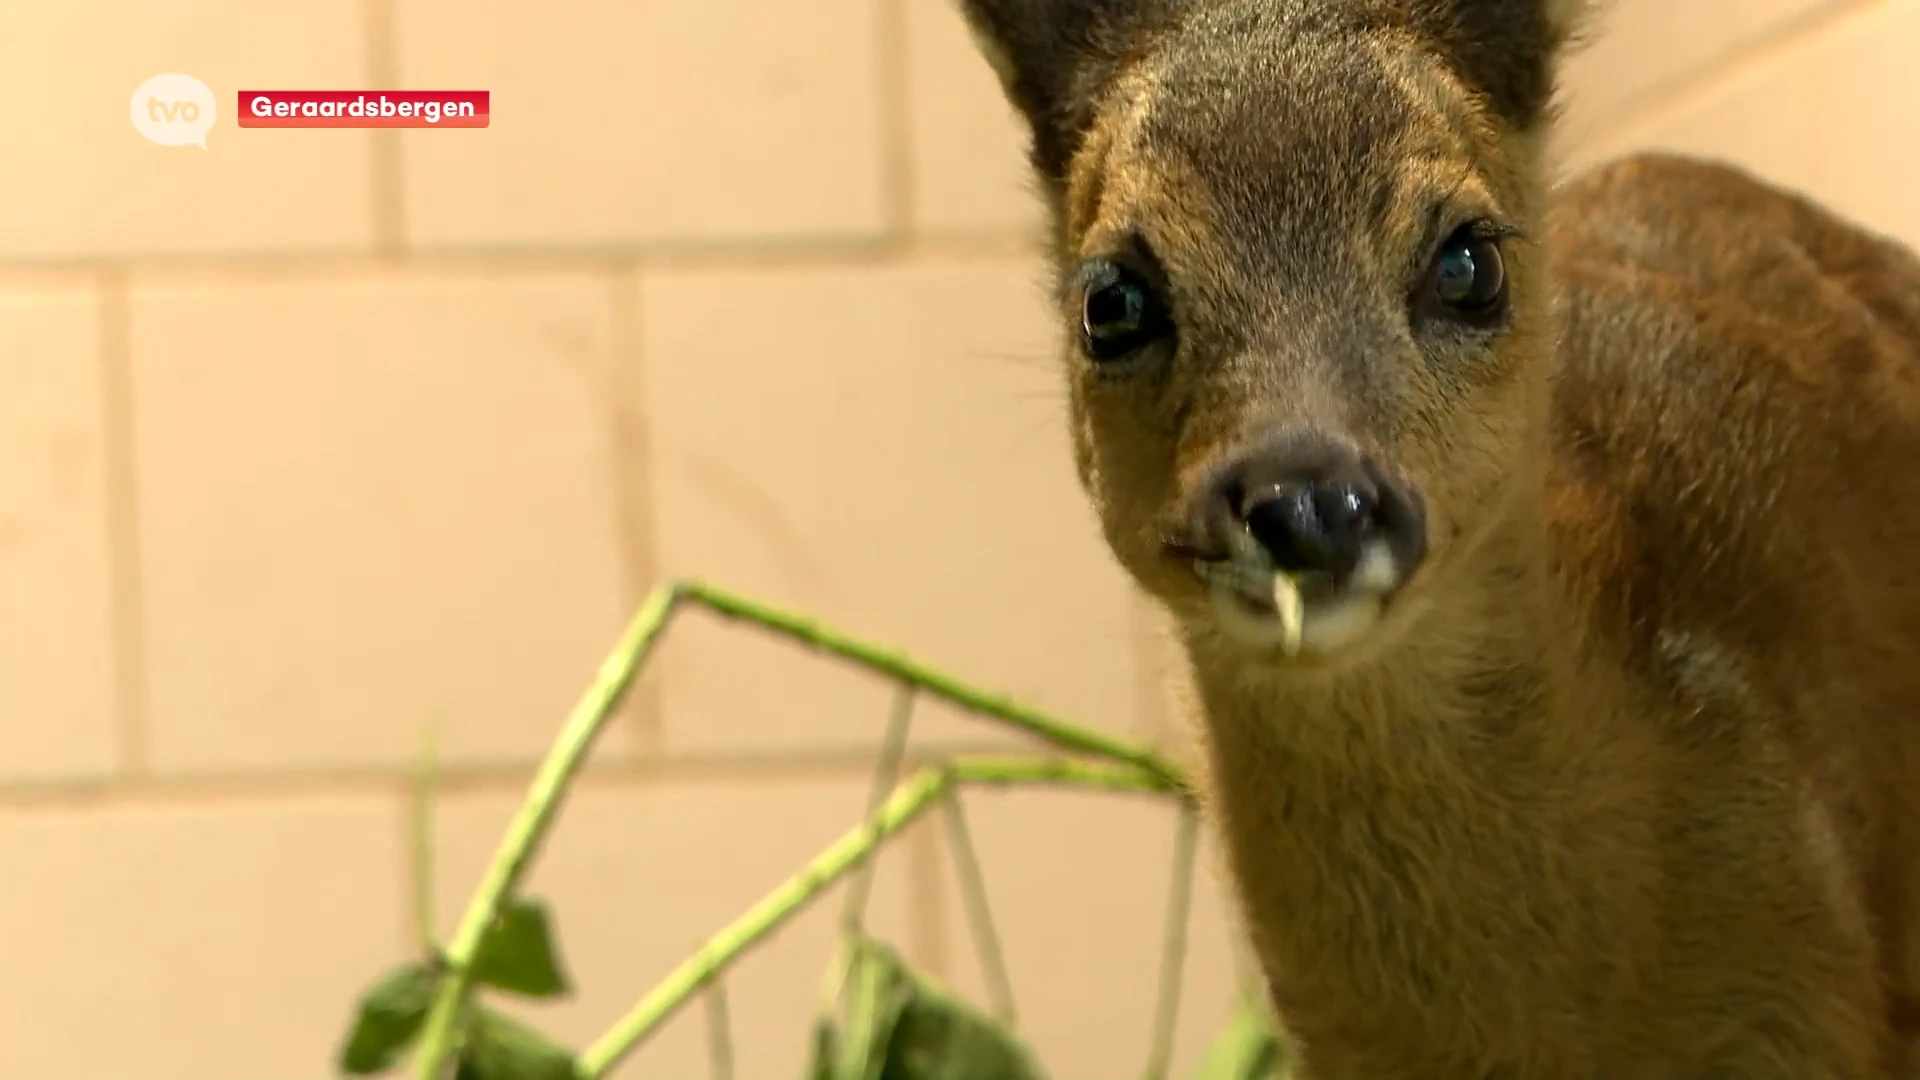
<point x="318" y="438"/>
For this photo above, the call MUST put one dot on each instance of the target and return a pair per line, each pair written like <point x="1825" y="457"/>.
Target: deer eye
<point x="1468" y="279"/>
<point x="1120" y="312"/>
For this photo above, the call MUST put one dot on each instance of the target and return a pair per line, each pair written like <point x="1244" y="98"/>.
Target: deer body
<point x="1601" y="757"/>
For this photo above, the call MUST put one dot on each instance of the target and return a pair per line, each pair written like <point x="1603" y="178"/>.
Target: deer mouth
<point x="1299" y="616"/>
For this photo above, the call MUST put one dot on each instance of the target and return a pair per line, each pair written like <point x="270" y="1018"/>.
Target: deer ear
<point x="1054" y="57"/>
<point x="1507" y="49"/>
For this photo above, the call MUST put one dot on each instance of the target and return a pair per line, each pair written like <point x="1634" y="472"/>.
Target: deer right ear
<point x="1054" y="57"/>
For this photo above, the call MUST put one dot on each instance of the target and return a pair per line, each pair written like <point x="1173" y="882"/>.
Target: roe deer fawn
<point x="1547" y="562"/>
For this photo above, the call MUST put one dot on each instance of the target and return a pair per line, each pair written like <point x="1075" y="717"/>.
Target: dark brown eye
<point x="1468" y="279"/>
<point x="1120" y="312"/>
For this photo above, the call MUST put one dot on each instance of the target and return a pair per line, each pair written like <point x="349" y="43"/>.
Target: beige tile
<point x="57" y="700"/>
<point x="1079" y="885"/>
<point x="86" y="184"/>
<point x="884" y="448"/>
<point x="615" y="122"/>
<point x="373" y="504"/>
<point x="217" y="942"/>
<point x="1636" y="48"/>
<point x="639" y="877"/>
<point x="969" y="160"/>
<point x="1834" y="116"/>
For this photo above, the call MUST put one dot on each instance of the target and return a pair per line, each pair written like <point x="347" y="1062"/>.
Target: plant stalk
<point x="544" y="796"/>
<point x="1137" y="769"/>
<point x="972" y="886"/>
<point x="1173" y="951"/>
<point x="899" y="666"/>
<point x="910" y="800"/>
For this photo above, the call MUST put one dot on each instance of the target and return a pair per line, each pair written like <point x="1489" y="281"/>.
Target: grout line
<point x="150" y="789"/>
<point x="28" y="276"/>
<point x="893" y="68"/>
<point x="388" y="159"/>
<point x="128" y="599"/>
<point x="632" y="497"/>
<point x="1641" y="110"/>
<point x="668" y="255"/>
<point x="450" y="779"/>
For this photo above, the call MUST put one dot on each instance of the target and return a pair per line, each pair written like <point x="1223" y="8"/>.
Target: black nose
<point x="1311" y="525"/>
<point x="1312" y="503"/>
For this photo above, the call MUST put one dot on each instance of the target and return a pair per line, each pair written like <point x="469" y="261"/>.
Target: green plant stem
<point x="719" y="1031"/>
<point x="911" y="799"/>
<point x="886" y="777"/>
<point x="1173" y="951"/>
<point x="906" y="804"/>
<point x="536" y="814"/>
<point x="1144" y="771"/>
<point x="1000" y="771"/>
<point x="899" y="666"/>
<point x="972" y="885"/>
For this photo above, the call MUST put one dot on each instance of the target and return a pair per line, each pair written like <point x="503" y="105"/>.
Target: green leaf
<point x="1249" y="1048"/>
<point x="941" y="1037"/>
<point x="898" y="1025"/>
<point x="501" y="1048"/>
<point x="518" y="954"/>
<point x="826" y="1050"/>
<point x="389" y="1016"/>
<point x="878" y="988"/>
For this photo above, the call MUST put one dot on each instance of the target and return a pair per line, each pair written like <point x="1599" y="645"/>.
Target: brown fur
<point x="1626" y="781"/>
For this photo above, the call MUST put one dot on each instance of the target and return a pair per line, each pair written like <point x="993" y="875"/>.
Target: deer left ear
<point x="1509" y="50"/>
<point x="1054" y="58"/>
